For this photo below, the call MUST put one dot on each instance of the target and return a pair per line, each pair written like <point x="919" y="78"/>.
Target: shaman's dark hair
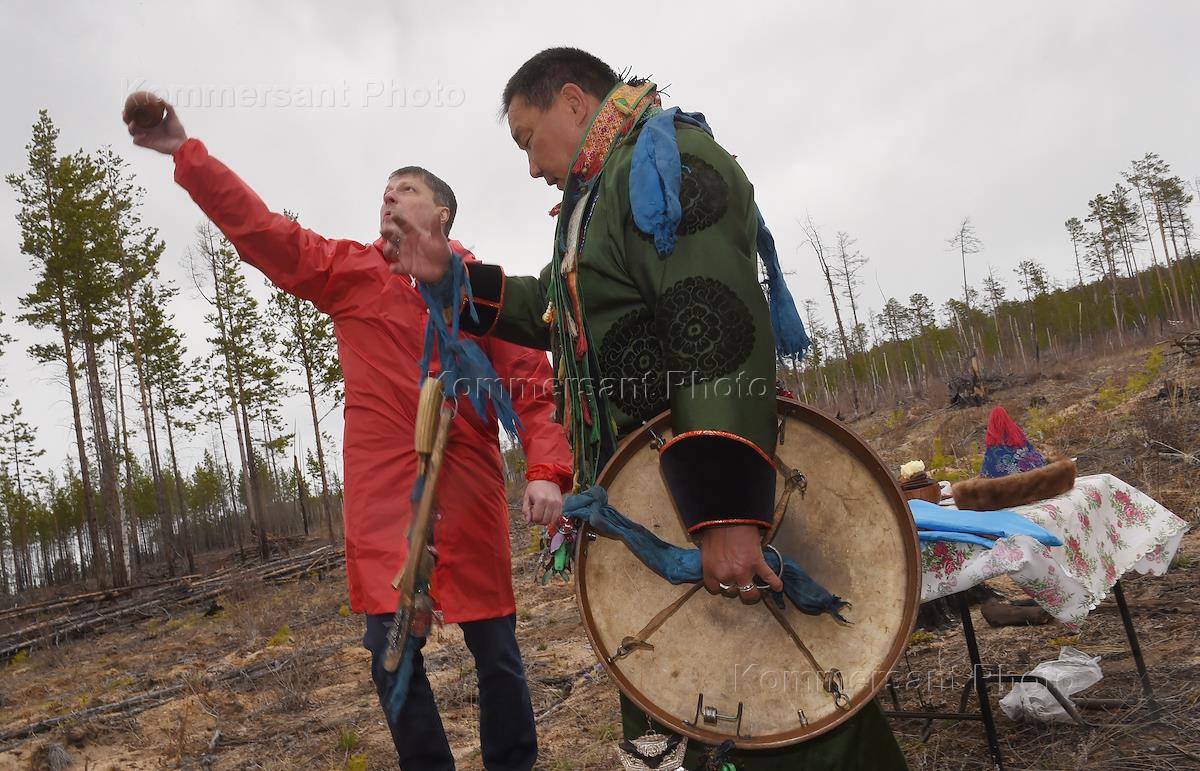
<point x="539" y="79"/>
<point x="442" y="194"/>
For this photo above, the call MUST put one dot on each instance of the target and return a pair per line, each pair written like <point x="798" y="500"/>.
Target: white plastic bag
<point x="1071" y="673"/>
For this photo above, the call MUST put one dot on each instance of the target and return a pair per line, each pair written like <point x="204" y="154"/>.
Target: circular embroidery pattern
<point x="631" y="363"/>
<point x="706" y="330"/>
<point x="703" y="196"/>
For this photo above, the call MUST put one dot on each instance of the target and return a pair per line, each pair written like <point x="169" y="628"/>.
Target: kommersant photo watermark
<point x="748" y="679"/>
<point x="383" y="93"/>
<point x="650" y="387"/>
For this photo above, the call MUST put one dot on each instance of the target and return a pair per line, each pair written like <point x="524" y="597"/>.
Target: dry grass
<point x="326" y="715"/>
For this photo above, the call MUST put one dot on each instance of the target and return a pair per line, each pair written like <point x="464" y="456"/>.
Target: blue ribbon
<point x="465" y="367"/>
<point x="682" y="566"/>
<point x="467" y="370"/>
<point x="654" y="180"/>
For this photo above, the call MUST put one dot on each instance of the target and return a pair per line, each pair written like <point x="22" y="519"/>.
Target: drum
<point x="714" y="669"/>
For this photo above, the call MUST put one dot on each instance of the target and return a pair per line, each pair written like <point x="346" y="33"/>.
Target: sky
<point x="889" y="121"/>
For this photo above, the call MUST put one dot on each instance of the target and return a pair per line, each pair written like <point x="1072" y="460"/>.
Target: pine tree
<point x="1076" y="232"/>
<point x="20" y="453"/>
<point x="921" y="317"/>
<point x="965" y="242"/>
<point x="894" y="318"/>
<point x="1152" y="173"/>
<point x="168" y="380"/>
<point x="1103" y="259"/>
<point x="308" y="342"/>
<point x="53" y="193"/>
<point x="252" y="376"/>
<point x="136" y="251"/>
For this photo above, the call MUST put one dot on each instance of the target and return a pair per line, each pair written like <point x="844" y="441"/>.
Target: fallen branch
<point x="1174" y="453"/>
<point x="151" y="699"/>
<point x="160" y="601"/>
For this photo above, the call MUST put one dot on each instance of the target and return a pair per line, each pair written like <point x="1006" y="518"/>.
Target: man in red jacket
<point x="379" y="320"/>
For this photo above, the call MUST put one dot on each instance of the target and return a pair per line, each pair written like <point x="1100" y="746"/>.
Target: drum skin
<point x="853" y="533"/>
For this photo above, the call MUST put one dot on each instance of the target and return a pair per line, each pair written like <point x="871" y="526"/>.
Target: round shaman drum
<point x="719" y="669"/>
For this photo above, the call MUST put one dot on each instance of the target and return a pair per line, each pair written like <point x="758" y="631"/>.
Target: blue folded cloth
<point x="1001" y="524"/>
<point x="942" y="535"/>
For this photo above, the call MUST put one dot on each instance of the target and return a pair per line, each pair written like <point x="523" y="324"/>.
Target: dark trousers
<point x="506" y="728"/>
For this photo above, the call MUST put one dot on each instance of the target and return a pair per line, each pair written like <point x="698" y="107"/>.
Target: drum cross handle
<point x="638" y="641"/>
<point x="831" y="678"/>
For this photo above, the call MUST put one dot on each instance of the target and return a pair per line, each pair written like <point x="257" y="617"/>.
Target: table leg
<point x="985" y="706"/>
<point x="1134" y="647"/>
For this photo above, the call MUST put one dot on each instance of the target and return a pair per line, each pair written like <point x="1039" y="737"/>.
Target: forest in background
<point x="121" y="506"/>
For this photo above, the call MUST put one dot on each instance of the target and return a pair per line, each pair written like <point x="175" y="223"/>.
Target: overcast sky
<point x="890" y="121"/>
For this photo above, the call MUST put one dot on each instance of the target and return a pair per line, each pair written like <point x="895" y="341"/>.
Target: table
<point x="1107" y="527"/>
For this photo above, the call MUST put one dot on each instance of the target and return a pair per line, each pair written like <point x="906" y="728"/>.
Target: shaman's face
<point x="551" y="137"/>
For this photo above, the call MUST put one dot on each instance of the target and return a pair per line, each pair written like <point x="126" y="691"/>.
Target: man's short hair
<point x="442" y="194"/>
<point x="538" y="80"/>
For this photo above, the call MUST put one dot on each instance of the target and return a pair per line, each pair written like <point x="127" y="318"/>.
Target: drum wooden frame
<point x="853" y="533"/>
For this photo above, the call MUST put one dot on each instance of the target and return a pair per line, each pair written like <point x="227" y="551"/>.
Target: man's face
<point x="409" y="193"/>
<point x="550" y="137"/>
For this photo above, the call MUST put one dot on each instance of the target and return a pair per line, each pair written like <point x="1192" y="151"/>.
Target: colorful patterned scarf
<point x="581" y="408"/>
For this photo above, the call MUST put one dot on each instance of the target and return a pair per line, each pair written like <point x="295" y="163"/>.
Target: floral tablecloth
<point x="1107" y="528"/>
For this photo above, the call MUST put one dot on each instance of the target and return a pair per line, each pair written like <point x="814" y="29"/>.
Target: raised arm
<point x="294" y="258"/>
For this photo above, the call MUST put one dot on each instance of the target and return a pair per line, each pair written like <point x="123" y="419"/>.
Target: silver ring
<point x="747" y="588"/>
<point x="725" y="587"/>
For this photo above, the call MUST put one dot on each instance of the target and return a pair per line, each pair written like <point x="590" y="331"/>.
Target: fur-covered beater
<point x="1015" y="489"/>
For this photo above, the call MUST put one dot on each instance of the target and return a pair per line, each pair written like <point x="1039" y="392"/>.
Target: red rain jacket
<point x="379" y="319"/>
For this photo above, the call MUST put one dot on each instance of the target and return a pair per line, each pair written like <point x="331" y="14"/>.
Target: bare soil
<point x="318" y="710"/>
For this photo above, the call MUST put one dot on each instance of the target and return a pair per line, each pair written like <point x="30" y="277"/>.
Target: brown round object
<point x="144" y="108"/>
<point x="852" y="532"/>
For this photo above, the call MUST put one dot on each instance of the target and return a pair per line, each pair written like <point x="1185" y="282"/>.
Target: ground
<point x="318" y="710"/>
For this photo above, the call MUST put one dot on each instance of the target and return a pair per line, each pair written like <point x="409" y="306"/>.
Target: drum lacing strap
<point x="793" y="480"/>
<point x="831" y="679"/>
<point x="638" y="641"/>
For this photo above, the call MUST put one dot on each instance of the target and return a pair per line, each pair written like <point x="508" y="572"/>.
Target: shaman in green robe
<point x="690" y="332"/>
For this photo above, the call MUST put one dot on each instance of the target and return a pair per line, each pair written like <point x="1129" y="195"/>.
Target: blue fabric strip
<point x="465" y="367"/>
<point x="682" y="566"/>
<point x="1001" y="524"/>
<point x="654" y="180"/>
<point x="940" y="535"/>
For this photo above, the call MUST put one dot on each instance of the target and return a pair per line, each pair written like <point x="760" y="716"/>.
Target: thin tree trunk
<point x="254" y="481"/>
<point x="326" y="509"/>
<point x="108" y="475"/>
<point x="232" y="493"/>
<point x="98" y="566"/>
<point x="183" y="512"/>
<point x="135" y="551"/>
<point x="167" y="531"/>
<point x="300" y="492"/>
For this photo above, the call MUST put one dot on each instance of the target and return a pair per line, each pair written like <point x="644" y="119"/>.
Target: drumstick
<point x="419" y="561"/>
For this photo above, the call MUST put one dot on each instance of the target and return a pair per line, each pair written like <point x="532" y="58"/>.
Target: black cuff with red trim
<point x="487" y="289"/>
<point x="719" y="479"/>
